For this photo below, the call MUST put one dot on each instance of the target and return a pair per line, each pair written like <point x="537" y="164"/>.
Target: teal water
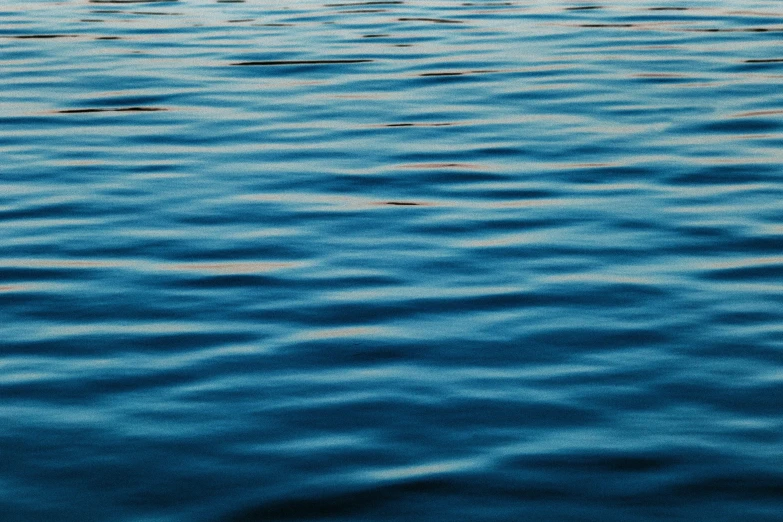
<point x="391" y="260"/>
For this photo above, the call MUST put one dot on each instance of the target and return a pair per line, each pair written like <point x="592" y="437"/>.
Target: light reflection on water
<point x="390" y="260"/>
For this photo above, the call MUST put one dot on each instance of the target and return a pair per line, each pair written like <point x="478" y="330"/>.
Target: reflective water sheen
<point x="391" y="260"/>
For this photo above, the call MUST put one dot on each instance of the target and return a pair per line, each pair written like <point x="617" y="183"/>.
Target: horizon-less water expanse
<point x="391" y="261"/>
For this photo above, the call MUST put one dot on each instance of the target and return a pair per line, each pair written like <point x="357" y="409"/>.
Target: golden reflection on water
<point x="24" y="287"/>
<point x="229" y="268"/>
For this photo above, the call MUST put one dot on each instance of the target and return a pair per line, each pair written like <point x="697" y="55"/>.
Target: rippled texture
<point x="391" y="260"/>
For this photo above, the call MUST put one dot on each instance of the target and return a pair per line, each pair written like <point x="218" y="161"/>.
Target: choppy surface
<point x="391" y="260"/>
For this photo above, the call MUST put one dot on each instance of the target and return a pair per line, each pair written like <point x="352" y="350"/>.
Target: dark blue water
<point x="391" y="260"/>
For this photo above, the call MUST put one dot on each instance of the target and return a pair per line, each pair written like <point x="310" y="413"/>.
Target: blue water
<point x="391" y="260"/>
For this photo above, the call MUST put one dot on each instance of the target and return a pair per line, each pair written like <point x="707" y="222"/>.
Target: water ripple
<point x="388" y="260"/>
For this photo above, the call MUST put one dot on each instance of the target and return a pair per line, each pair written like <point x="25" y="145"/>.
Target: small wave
<point x="302" y="62"/>
<point x="120" y="109"/>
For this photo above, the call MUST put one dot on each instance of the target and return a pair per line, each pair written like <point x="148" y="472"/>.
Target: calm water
<point x="391" y="260"/>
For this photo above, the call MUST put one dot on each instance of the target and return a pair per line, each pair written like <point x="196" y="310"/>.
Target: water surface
<point x="391" y="260"/>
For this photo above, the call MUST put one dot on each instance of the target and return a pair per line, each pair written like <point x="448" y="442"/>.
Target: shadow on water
<point x="363" y="503"/>
<point x="302" y="62"/>
<point x="122" y="109"/>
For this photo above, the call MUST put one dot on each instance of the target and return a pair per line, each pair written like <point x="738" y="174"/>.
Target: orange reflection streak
<point x="756" y="113"/>
<point x="19" y="287"/>
<point x="244" y="267"/>
<point x="60" y="263"/>
<point x="746" y="262"/>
